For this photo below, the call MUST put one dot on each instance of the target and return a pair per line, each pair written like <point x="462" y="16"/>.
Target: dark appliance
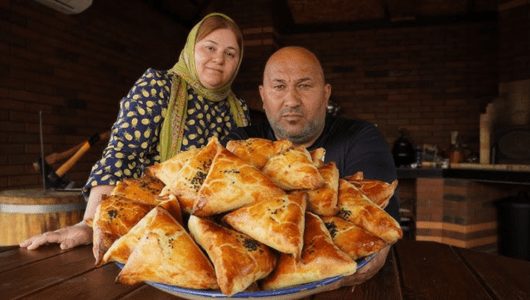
<point x="514" y="225"/>
<point x="403" y="151"/>
<point x="512" y="146"/>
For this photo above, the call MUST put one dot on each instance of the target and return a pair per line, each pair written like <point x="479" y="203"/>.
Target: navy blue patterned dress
<point x="134" y="141"/>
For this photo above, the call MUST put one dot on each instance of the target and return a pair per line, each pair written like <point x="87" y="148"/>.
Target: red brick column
<point x="459" y="212"/>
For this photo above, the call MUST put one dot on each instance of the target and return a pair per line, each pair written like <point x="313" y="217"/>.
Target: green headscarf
<point x="185" y="75"/>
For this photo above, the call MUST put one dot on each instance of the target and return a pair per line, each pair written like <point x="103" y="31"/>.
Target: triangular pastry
<point x="357" y="208"/>
<point x="122" y="248"/>
<point x="257" y="151"/>
<point x="378" y="191"/>
<point x="144" y="189"/>
<point x="277" y="222"/>
<point x="294" y="170"/>
<point x="359" y="175"/>
<point x="317" y="156"/>
<point x="167" y="254"/>
<point x="186" y="183"/>
<point x="238" y="259"/>
<point x="352" y="239"/>
<point x="165" y="171"/>
<point x="320" y="259"/>
<point x="114" y="217"/>
<point x="231" y="184"/>
<point x="323" y="200"/>
<point x="171" y="204"/>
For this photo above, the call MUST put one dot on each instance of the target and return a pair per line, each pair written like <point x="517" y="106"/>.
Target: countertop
<point x="510" y="174"/>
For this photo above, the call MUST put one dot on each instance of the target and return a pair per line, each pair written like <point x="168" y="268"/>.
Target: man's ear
<point x="327" y="91"/>
<point x="261" y="92"/>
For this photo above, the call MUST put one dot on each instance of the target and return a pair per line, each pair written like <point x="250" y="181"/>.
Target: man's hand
<point x="364" y="273"/>
<point x="68" y="237"/>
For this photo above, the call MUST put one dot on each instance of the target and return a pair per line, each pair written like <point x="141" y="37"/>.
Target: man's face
<point x="295" y="96"/>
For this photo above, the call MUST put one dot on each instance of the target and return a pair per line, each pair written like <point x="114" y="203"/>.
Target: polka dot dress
<point x="134" y="142"/>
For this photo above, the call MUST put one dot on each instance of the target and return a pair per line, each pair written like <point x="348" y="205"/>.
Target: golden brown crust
<point x="231" y="184"/>
<point x="352" y="239"/>
<point x="114" y="217"/>
<point x="355" y="207"/>
<point x="167" y="254"/>
<point x="144" y="189"/>
<point x="215" y="185"/>
<point x="323" y="201"/>
<point x="357" y="176"/>
<point x="320" y="259"/>
<point x="294" y="170"/>
<point x="189" y="179"/>
<point x="166" y="170"/>
<point x="257" y="151"/>
<point x="378" y="191"/>
<point x="122" y="248"/>
<point x="172" y="206"/>
<point x="317" y="156"/>
<point x="238" y="259"/>
<point x="277" y="222"/>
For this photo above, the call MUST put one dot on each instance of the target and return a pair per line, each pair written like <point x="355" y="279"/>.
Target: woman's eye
<point x="230" y="54"/>
<point x="209" y="48"/>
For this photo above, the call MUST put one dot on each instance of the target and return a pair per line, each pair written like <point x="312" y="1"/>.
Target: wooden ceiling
<point x="358" y="11"/>
<point x="326" y="12"/>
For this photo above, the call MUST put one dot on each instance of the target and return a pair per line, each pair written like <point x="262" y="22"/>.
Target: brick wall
<point x="430" y="78"/>
<point x="514" y="24"/>
<point x="75" y="69"/>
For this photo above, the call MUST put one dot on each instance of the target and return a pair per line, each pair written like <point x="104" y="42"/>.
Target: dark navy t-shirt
<point x="354" y="145"/>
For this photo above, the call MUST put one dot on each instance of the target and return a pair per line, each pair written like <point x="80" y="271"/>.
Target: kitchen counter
<point x="457" y="206"/>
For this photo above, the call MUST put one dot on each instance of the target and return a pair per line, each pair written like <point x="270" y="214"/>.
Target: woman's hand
<point x="76" y="235"/>
<point x="68" y="237"/>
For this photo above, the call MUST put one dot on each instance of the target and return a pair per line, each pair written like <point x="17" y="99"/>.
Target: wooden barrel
<point x="25" y="213"/>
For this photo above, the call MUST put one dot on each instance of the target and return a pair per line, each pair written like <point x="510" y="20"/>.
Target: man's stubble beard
<point x="309" y="132"/>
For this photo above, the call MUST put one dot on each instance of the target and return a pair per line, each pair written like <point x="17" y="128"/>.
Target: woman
<point x="166" y="112"/>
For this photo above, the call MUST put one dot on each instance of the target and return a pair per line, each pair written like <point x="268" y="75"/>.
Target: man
<point x="295" y="98"/>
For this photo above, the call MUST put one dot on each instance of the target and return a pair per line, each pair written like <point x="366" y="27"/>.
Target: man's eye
<point x="304" y="86"/>
<point x="278" y="87"/>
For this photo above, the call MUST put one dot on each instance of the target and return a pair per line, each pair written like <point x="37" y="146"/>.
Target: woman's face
<point x="216" y="58"/>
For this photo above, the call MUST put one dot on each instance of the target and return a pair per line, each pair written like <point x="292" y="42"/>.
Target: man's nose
<point x="292" y="98"/>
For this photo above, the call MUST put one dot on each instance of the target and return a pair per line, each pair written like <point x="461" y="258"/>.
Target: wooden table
<point x="413" y="270"/>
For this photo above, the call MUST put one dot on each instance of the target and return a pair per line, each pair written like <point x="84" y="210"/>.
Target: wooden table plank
<point x="44" y="272"/>
<point x="17" y="257"/>
<point x="149" y="292"/>
<point x="505" y="277"/>
<point x="413" y="270"/>
<point x="431" y="270"/>
<point x="384" y="285"/>
<point x="7" y="248"/>
<point x="95" y="285"/>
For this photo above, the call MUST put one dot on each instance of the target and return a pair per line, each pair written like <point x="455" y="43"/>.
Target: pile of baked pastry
<point x="254" y="215"/>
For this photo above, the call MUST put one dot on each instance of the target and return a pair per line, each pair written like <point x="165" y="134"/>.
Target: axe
<point x="56" y="179"/>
